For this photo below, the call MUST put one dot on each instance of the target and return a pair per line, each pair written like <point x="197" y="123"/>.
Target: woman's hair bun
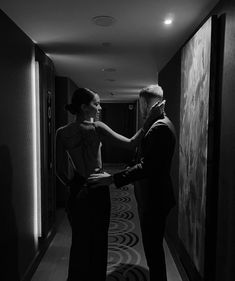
<point x="80" y="96"/>
<point x="70" y="108"/>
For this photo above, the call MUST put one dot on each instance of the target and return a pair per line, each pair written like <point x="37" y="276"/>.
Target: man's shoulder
<point x="159" y="123"/>
<point x="162" y="124"/>
<point x="164" y="121"/>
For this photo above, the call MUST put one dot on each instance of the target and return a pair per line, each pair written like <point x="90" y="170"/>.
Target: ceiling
<point x="118" y="60"/>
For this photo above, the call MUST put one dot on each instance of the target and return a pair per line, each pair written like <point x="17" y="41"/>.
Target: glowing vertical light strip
<point x="36" y="151"/>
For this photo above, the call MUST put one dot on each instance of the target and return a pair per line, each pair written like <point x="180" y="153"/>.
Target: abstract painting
<point x="194" y="117"/>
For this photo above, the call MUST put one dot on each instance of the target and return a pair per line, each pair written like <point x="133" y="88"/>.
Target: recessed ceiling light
<point x="109" y="69"/>
<point x="104" y="21"/>
<point x="168" y="21"/>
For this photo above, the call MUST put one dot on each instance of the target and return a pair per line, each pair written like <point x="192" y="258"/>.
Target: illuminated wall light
<point x="36" y="152"/>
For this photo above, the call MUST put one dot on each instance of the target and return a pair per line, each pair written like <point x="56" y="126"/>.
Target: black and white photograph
<point x="117" y="144"/>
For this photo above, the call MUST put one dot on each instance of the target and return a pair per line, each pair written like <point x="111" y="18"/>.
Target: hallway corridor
<point x="126" y="260"/>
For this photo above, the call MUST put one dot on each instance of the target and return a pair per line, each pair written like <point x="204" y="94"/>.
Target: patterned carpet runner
<point x="126" y="259"/>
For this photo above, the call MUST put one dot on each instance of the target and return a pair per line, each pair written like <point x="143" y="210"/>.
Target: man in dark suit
<point x="153" y="186"/>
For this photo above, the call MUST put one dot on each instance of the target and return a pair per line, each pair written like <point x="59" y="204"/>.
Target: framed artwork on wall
<point x="197" y="160"/>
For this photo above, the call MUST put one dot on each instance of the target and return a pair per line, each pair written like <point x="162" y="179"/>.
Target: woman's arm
<point x="107" y="133"/>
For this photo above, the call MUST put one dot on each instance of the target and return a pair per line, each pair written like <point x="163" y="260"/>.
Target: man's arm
<point x="129" y="175"/>
<point x="153" y="162"/>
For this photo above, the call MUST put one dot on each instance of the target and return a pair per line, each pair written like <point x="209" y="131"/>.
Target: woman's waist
<point x="80" y="181"/>
<point x="86" y="170"/>
<point x="85" y="191"/>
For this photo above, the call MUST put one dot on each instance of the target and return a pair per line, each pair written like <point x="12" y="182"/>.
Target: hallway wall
<point x="225" y="267"/>
<point x="19" y="244"/>
<point x="64" y="88"/>
<point x="169" y="79"/>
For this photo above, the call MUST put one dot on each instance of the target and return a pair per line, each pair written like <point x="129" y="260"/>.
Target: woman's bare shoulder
<point x="61" y="130"/>
<point x="99" y="124"/>
<point x="67" y="130"/>
<point x="102" y="127"/>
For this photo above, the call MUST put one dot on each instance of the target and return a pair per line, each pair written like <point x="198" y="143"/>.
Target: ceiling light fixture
<point x="104" y="21"/>
<point x="168" y="21"/>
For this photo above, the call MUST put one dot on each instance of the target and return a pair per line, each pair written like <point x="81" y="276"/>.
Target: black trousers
<point x="152" y="225"/>
<point x="89" y="215"/>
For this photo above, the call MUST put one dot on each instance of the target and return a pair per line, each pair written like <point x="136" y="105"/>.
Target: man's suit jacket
<point x="153" y="185"/>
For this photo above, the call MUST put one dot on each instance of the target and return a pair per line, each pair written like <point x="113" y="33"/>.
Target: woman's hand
<point x="100" y="179"/>
<point x="156" y="111"/>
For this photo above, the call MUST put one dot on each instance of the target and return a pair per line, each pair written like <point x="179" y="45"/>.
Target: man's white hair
<point x="152" y="91"/>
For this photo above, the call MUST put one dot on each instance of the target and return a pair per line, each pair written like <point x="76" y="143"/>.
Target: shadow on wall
<point x="8" y="233"/>
<point x="128" y="272"/>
